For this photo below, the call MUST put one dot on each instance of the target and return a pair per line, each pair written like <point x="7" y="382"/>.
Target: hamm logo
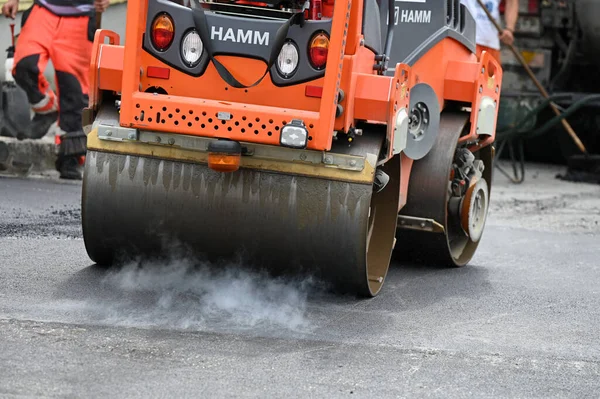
<point x="240" y="36"/>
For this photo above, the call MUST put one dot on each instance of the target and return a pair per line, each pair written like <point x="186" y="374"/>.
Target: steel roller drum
<point x="428" y="195"/>
<point x="135" y="205"/>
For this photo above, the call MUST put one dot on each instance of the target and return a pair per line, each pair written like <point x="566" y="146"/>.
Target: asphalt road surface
<point x="522" y="320"/>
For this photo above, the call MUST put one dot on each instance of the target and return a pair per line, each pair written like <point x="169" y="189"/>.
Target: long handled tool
<point x="12" y="34"/>
<point x="98" y="20"/>
<point x="543" y="91"/>
<point x="580" y="168"/>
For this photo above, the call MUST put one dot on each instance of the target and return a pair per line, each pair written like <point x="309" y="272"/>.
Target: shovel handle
<point x="519" y="57"/>
<point x="12" y="34"/>
<point x="98" y="20"/>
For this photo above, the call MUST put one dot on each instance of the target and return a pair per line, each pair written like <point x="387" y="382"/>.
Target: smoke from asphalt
<point x="187" y="295"/>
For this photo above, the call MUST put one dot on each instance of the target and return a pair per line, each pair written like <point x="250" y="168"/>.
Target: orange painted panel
<point x="210" y="118"/>
<point x="110" y="68"/>
<point x="372" y="97"/>
<point x="211" y="86"/>
<point x="460" y="81"/>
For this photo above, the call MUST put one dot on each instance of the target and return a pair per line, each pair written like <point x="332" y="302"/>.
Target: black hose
<point x="560" y="42"/>
<point x="569" y="56"/>
<point x="569" y="111"/>
<point x="390" y="32"/>
<point x="532" y="113"/>
<point x="514" y="132"/>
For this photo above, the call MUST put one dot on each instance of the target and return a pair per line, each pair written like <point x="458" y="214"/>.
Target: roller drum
<point x="428" y="198"/>
<point x="141" y="206"/>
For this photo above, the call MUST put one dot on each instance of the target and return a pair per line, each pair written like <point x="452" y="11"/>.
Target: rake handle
<point x="518" y="55"/>
<point x="98" y="20"/>
<point x="12" y="34"/>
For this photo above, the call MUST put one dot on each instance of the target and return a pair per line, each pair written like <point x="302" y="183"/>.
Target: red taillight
<point x="162" y="32"/>
<point x="319" y="47"/>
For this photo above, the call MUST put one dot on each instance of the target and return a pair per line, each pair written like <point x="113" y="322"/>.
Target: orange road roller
<point x="319" y="136"/>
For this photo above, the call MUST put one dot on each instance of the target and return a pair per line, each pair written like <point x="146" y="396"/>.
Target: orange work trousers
<point x="493" y="52"/>
<point x="67" y="42"/>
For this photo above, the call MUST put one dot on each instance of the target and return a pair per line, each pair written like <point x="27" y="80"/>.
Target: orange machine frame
<point x="448" y="67"/>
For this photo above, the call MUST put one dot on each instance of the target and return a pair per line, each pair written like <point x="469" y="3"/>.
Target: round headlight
<point x="287" y="62"/>
<point x="191" y="48"/>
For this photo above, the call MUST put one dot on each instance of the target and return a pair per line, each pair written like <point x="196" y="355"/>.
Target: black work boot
<point x="69" y="168"/>
<point x="72" y="146"/>
<point x="41" y="123"/>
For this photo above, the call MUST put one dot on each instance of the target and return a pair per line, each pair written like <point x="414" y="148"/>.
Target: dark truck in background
<point x="560" y="40"/>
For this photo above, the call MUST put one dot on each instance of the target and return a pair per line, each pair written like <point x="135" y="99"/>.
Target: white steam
<point x="196" y="296"/>
<point x="181" y="294"/>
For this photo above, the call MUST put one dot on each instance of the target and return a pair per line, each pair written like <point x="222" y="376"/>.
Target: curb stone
<point x="25" y="157"/>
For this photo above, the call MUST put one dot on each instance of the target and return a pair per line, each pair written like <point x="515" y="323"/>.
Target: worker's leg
<point x="31" y="58"/>
<point x="71" y="55"/>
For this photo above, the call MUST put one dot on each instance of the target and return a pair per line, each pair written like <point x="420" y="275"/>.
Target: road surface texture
<point x="522" y="320"/>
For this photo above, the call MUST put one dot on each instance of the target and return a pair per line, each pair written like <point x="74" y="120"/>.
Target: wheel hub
<point x="474" y="209"/>
<point x="419" y="121"/>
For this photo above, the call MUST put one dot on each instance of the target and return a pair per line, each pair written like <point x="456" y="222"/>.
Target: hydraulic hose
<point x="569" y="57"/>
<point x="532" y="113"/>
<point x="568" y="112"/>
<point x="391" y="25"/>
<point x="383" y="59"/>
<point x="514" y="132"/>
